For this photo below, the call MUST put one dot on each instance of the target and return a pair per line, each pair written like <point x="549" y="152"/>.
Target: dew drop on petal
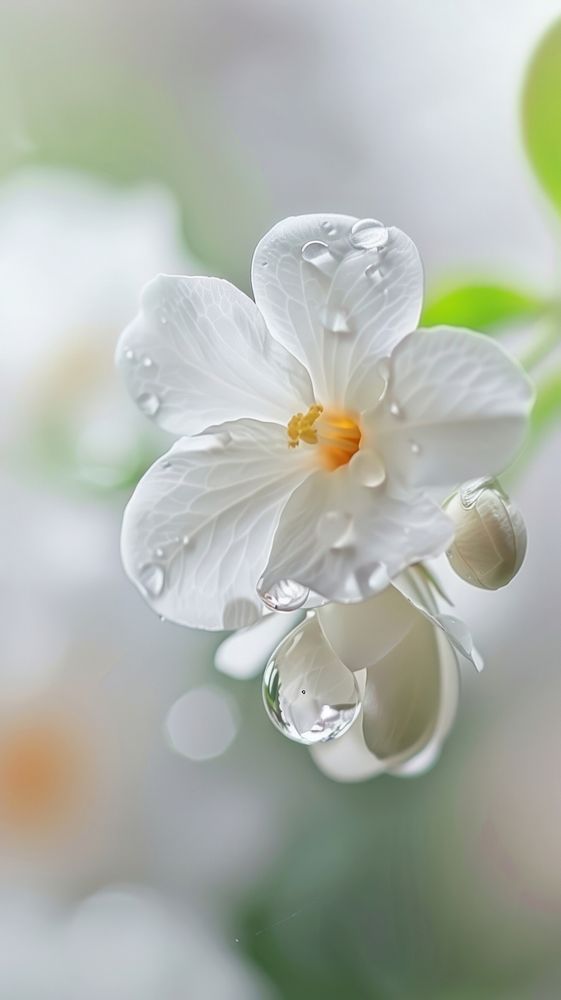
<point x="332" y="526"/>
<point x="129" y="355"/>
<point x="309" y="695"/>
<point x="152" y="578"/>
<point x="395" y="410"/>
<point x="335" y="320"/>
<point x="149" y="403"/>
<point x="166" y="464"/>
<point x="373" y="272"/>
<point x="147" y="362"/>
<point x="163" y="320"/>
<point x="284" y="595"/>
<point x="369" y="234"/>
<point x="319" y="255"/>
<point x="368" y="468"/>
<point x="159" y="553"/>
<point x="415" y="447"/>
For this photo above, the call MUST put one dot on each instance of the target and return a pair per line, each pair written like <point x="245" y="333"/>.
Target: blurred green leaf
<point x="481" y="306"/>
<point x="541" y="113"/>
<point x="547" y="407"/>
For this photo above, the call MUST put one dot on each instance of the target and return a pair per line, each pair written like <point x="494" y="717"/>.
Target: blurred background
<point x="158" y="839"/>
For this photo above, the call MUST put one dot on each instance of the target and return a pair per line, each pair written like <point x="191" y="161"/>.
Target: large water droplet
<point x="152" y="578"/>
<point x="149" y="403"/>
<point x="284" y="595"/>
<point x="368" y="468"/>
<point x="309" y="695"/>
<point x="369" y="234"/>
<point x="335" y="320"/>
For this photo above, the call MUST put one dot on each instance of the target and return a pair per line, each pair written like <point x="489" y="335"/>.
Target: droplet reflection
<point x="309" y="695"/>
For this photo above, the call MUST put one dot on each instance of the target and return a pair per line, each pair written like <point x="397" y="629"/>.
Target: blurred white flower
<point x="119" y="944"/>
<point x="320" y="428"/>
<point x="74" y="253"/>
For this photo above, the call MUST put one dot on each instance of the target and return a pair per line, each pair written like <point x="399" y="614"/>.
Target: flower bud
<point x="490" y="540"/>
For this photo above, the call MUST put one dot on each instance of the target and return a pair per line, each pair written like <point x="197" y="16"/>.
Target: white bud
<point x="490" y="541"/>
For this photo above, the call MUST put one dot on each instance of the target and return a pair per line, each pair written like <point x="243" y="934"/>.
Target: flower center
<point x="336" y="432"/>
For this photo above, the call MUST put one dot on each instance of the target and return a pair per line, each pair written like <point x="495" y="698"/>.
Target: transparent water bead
<point x="335" y="319"/>
<point x="309" y="695"/>
<point x="152" y="579"/>
<point x="149" y="403"/>
<point x="369" y="234"/>
<point x="284" y="595"/>
<point x="318" y="254"/>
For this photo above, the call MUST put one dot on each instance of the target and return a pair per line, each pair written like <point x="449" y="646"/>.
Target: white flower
<point x="371" y="687"/>
<point x="122" y="943"/>
<point x="74" y="254"/>
<point x="319" y="430"/>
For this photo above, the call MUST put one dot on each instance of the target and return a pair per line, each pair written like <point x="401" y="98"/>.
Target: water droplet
<point x="369" y="234"/>
<point x="332" y="526"/>
<point x="159" y="553"/>
<point x="148" y="403"/>
<point x="415" y="447"/>
<point x="368" y="468"/>
<point x="470" y="492"/>
<point x="309" y="695"/>
<point x="264" y="263"/>
<point x="185" y="540"/>
<point x="335" y="320"/>
<point x="163" y="320"/>
<point x="395" y="410"/>
<point x="166" y="464"/>
<point x="152" y="578"/>
<point x="129" y="355"/>
<point x="284" y="595"/>
<point x="373" y="272"/>
<point x="162" y="618"/>
<point x="147" y="362"/>
<point x="318" y="253"/>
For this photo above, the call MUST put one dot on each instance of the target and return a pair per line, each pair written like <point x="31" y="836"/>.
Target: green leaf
<point x="541" y="113"/>
<point x="481" y="306"/>
<point x="547" y="407"/>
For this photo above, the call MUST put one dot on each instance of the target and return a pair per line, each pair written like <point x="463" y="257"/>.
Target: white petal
<point x="199" y="353"/>
<point x="345" y="307"/>
<point x="198" y="529"/>
<point x="245" y="653"/>
<point x="348" y="758"/>
<point x="346" y="541"/>
<point x="456" y="631"/>
<point x="456" y="407"/>
<point x="402" y="697"/>
<point x="364" y="633"/>
<point x="449" y="694"/>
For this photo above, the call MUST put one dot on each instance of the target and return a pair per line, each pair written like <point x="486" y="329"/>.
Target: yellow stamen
<point x="301" y="426"/>
<point x="336" y="432"/>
